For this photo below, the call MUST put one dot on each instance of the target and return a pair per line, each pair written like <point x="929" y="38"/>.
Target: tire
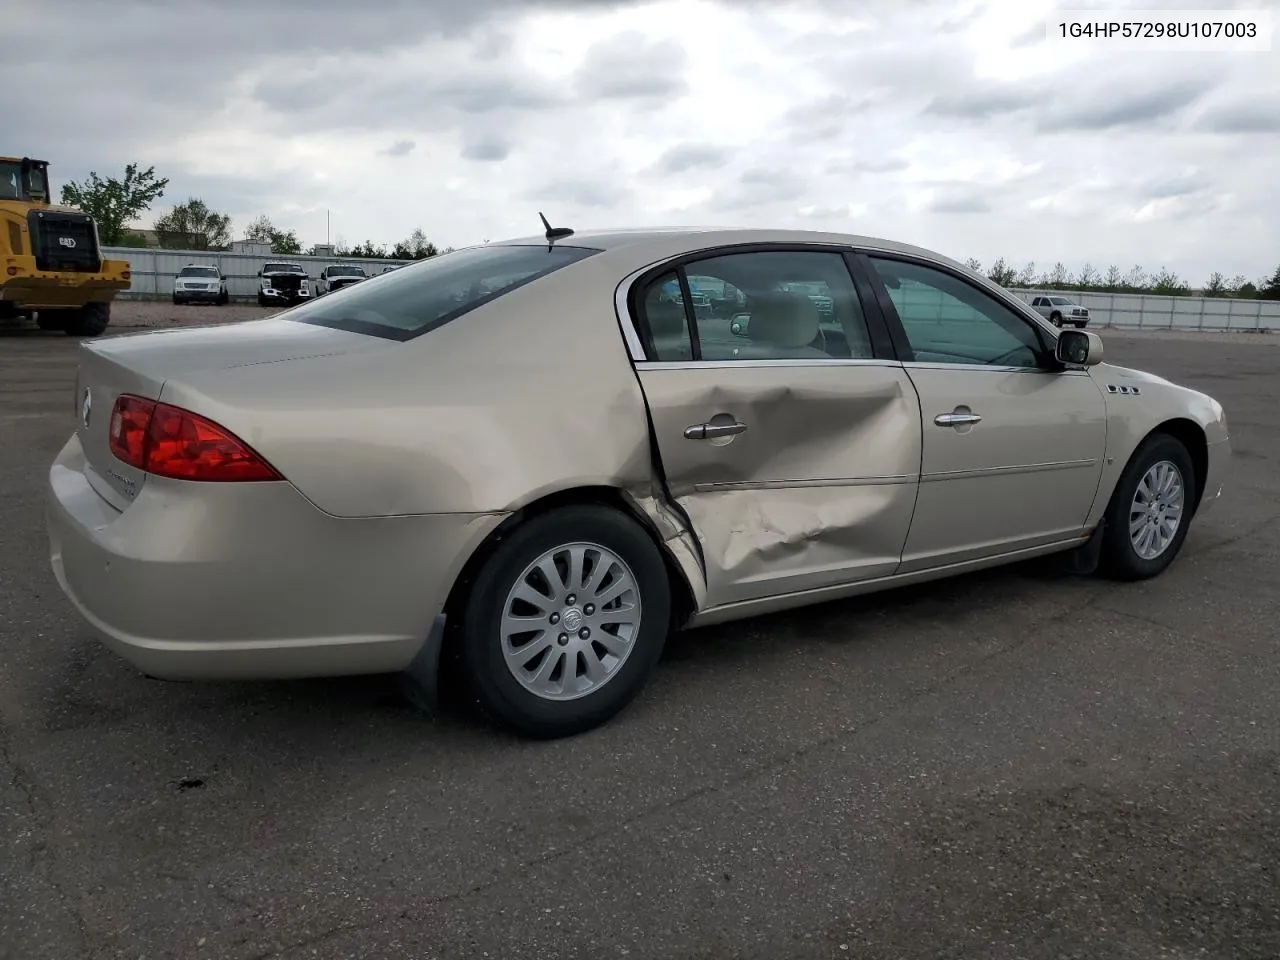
<point x="262" y="301"/>
<point x="1055" y="318"/>
<point x="1120" y="558"/>
<point x="547" y="715"/>
<point x="224" y="299"/>
<point x="89" y="321"/>
<point x="177" y="302"/>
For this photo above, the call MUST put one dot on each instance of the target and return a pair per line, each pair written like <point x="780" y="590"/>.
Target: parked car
<point x="339" y="276"/>
<point x="1061" y="310"/>
<point x="283" y="283"/>
<point x="200" y="283"/>
<point x="355" y="484"/>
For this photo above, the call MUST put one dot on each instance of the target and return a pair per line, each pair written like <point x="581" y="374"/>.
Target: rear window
<point x="407" y="303"/>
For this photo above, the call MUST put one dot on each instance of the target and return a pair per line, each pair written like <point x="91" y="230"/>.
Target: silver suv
<point x="1061" y="310"/>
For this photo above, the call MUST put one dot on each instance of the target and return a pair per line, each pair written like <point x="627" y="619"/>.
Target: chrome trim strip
<point x="734" y="364"/>
<point x="629" y="333"/>
<point x="1008" y="471"/>
<point x="785" y="484"/>
<point x="921" y="365"/>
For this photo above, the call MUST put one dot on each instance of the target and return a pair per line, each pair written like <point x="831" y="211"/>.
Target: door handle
<point x="710" y="431"/>
<point x="956" y="419"/>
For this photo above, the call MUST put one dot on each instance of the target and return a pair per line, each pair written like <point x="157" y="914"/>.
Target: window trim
<point x="629" y="305"/>
<point x="1020" y="310"/>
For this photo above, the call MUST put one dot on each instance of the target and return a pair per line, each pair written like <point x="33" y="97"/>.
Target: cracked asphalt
<point x="1016" y="764"/>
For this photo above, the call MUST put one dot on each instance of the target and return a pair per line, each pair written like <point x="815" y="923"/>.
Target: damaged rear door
<point x="786" y="431"/>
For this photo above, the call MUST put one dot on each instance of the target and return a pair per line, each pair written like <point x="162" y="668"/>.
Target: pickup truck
<point x="1061" y="310"/>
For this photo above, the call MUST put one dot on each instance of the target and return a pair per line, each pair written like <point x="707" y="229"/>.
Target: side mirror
<point x="738" y="325"/>
<point x="259" y="273"/>
<point x="1079" y="348"/>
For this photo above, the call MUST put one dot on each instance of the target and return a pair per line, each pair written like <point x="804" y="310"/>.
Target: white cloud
<point x="951" y="123"/>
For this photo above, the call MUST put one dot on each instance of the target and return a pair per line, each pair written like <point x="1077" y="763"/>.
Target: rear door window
<point x="407" y="303"/>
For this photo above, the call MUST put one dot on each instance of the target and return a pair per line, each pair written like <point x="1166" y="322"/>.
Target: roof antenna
<point x="555" y="233"/>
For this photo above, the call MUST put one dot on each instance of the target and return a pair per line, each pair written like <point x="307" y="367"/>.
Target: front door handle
<point x="956" y="419"/>
<point x="710" y="431"/>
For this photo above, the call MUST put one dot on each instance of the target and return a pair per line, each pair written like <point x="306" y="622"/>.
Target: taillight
<point x="126" y="274"/>
<point x="171" y="442"/>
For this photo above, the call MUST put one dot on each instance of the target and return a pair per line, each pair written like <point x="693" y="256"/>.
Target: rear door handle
<point x="956" y="419"/>
<point x="709" y="431"/>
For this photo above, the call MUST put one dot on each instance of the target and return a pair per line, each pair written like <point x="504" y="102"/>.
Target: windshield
<point x="346" y="272"/>
<point x="198" y="272"/>
<point x="10" y="180"/>
<point x="407" y="303"/>
<point x="282" y="268"/>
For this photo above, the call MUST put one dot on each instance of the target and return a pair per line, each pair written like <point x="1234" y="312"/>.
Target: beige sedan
<point x="538" y="453"/>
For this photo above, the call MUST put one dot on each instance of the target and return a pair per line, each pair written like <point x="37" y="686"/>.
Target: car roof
<point x="681" y="239"/>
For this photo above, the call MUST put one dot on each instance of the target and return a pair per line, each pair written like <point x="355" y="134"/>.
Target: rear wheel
<point x="1150" y="510"/>
<point x="1055" y="318"/>
<point x="89" y="321"/>
<point x="566" y="621"/>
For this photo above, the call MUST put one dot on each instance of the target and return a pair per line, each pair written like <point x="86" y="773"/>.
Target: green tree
<point x="1088" y="278"/>
<point x="131" y="238"/>
<point x="1002" y="273"/>
<point x="1216" y="287"/>
<point x="974" y="265"/>
<point x="1247" y="291"/>
<point x="368" y="251"/>
<point x="1270" y="288"/>
<point x="1169" y="284"/>
<point x="1056" y="279"/>
<point x="416" y="247"/>
<point x="283" y="242"/>
<point x="193" y="226"/>
<point x="113" y="203"/>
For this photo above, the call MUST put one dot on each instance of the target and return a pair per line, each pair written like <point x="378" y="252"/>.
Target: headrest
<point x="665" y="317"/>
<point x="783" y="319"/>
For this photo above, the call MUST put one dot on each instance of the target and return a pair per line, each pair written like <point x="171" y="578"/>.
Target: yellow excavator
<point x="51" y="267"/>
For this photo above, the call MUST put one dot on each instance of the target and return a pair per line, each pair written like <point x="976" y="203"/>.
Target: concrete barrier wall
<point x="154" y="270"/>
<point x="1149" y="311"/>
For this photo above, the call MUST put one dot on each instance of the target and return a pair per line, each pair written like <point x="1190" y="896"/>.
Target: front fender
<point x="1138" y="403"/>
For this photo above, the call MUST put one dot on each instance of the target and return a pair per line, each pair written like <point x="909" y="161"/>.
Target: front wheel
<point x="1056" y="319"/>
<point x="566" y="621"/>
<point x="1150" y="510"/>
<point x="89" y="321"/>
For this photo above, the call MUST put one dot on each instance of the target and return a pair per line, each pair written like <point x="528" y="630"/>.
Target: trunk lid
<point x="140" y="364"/>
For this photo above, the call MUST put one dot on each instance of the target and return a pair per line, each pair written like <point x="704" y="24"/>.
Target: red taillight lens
<point x="126" y="274"/>
<point x="171" y="442"/>
<point x="127" y="433"/>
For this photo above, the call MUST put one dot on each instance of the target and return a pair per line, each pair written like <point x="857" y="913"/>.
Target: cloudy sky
<point x="954" y="125"/>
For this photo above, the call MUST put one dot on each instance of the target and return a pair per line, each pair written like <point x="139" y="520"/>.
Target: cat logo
<point x="67" y="242"/>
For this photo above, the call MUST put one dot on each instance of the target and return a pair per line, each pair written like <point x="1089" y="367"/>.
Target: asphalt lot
<point x="1016" y="764"/>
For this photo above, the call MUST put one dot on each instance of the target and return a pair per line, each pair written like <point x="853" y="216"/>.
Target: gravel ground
<point x="161" y="313"/>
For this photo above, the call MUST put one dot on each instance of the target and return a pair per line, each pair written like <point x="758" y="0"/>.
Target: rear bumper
<point x="249" y="581"/>
<point x="34" y="290"/>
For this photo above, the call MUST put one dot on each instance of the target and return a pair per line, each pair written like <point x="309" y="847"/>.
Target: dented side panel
<point x="817" y="490"/>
